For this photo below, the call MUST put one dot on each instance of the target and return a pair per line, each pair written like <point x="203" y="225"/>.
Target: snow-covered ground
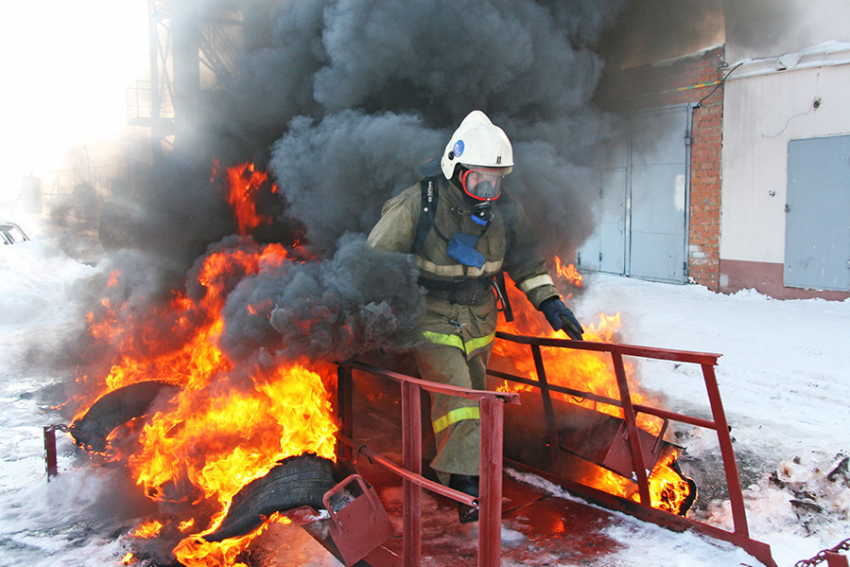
<point x="783" y="377"/>
<point x="785" y="384"/>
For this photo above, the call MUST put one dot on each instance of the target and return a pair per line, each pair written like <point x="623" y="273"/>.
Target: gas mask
<point x="482" y="183"/>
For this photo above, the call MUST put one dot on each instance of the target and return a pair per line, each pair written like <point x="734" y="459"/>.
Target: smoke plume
<point x="359" y="300"/>
<point x="393" y="79"/>
<point x="342" y="101"/>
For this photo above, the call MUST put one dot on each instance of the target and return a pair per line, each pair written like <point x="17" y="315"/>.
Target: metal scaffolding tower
<point x="192" y="50"/>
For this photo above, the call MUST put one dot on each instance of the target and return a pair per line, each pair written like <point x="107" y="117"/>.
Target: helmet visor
<point x="483" y="183"/>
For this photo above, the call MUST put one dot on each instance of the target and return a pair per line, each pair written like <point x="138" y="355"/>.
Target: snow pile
<point x="807" y="495"/>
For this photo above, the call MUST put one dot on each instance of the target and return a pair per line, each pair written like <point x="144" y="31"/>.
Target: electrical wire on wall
<point x="719" y="84"/>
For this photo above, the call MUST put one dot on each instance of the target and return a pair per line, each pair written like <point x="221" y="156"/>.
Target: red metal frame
<point x="492" y="436"/>
<point x="50" y="448"/>
<point x="491" y="458"/>
<point x="740" y="534"/>
<point x="50" y="451"/>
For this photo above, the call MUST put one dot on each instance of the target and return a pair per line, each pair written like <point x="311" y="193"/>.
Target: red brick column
<point x="706" y="144"/>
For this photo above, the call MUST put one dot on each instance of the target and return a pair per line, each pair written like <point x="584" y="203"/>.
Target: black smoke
<point x="389" y="81"/>
<point x="649" y="31"/>
<point x="335" y="174"/>
<point x="359" y="300"/>
<point x="342" y="101"/>
<point x="393" y="79"/>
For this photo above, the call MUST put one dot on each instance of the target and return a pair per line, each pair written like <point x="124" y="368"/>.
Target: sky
<point x="782" y="377"/>
<point x="66" y="67"/>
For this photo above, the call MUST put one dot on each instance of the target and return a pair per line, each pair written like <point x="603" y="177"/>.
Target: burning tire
<point x="295" y="482"/>
<point x="114" y="409"/>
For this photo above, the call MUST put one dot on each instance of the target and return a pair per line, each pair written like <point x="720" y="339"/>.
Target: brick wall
<point x="685" y="80"/>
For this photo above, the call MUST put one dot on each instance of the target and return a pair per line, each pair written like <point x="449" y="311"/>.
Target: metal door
<point x="605" y="250"/>
<point x="817" y="220"/>
<point x="659" y="181"/>
<point x="642" y="222"/>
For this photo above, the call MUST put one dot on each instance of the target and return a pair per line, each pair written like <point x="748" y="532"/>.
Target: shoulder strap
<point x="429" y="187"/>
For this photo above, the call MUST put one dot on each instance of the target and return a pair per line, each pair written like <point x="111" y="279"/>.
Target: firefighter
<point x="464" y="229"/>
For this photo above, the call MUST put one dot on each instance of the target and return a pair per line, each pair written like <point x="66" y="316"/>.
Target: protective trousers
<point x="456" y="421"/>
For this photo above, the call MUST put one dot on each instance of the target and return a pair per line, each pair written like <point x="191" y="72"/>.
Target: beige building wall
<point x="768" y="103"/>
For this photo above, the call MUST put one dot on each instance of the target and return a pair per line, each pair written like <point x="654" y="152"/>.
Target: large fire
<point x="231" y="423"/>
<point x="228" y="425"/>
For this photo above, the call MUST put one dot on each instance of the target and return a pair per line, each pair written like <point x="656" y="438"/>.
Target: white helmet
<point x="477" y="142"/>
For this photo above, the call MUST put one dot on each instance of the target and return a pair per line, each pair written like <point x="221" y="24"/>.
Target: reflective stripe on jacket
<point x="455" y="416"/>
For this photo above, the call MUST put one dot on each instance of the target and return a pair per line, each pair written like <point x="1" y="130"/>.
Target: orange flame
<point x="666" y="486"/>
<point x="197" y="552"/>
<point x="667" y="489"/>
<point x="230" y="423"/>
<point x="591" y="372"/>
<point x="245" y="184"/>
<point x="177" y="343"/>
<point x="568" y="272"/>
<point x="148" y="529"/>
<point x="244" y="434"/>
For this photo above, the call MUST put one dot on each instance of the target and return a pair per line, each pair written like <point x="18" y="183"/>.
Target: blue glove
<point x="561" y="318"/>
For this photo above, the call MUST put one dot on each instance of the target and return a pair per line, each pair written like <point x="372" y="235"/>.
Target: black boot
<point x="468" y="485"/>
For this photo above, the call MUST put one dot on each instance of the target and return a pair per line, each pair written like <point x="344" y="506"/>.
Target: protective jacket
<point x="507" y="243"/>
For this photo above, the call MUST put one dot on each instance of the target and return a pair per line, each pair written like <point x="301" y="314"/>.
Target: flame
<point x="568" y="272"/>
<point x="591" y="372"/>
<point x="244" y="186"/>
<point x="147" y="530"/>
<point x="197" y="552"/>
<point x="244" y="434"/>
<point x="666" y="487"/>
<point x="188" y="354"/>
<point x="231" y="422"/>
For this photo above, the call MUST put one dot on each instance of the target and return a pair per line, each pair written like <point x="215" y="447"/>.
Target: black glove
<point x="561" y="318"/>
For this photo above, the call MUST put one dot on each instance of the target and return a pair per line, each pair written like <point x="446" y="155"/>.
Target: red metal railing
<point x="492" y="436"/>
<point x="491" y="458"/>
<point x="740" y="534"/>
